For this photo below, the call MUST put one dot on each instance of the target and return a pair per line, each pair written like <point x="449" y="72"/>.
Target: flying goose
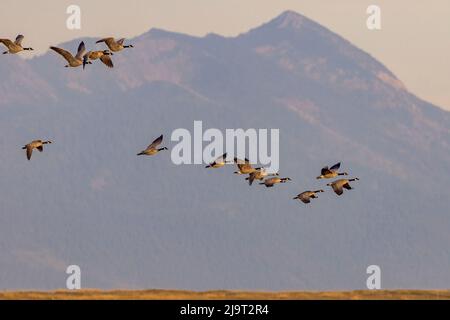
<point x="244" y="166"/>
<point x="114" y="45"/>
<point x="14" y="47"/>
<point x="306" y="196"/>
<point x="153" y="149"/>
<point x="219" y="162"/>
<point x="259" y="174"/>
<point x="270" y="182"/>
<point x="331" y="172"/>
<point x="36" y="144"/>
<point x="103" y="55"/>
<point x="73" y="61"/>
<point x="339" y="185"/>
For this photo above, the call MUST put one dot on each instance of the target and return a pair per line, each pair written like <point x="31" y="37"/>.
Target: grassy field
<point x="223" y="295"/>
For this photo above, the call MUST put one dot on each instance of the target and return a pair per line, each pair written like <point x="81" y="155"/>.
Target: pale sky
<point x="414" y="41"/>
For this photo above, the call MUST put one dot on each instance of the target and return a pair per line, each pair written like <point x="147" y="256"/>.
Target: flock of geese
<point x="82" y="58"/>
<point x="271" y="179"/>
<point x="268" y="179"/>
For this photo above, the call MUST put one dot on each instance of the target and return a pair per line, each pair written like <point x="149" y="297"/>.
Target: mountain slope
<point x="136" y="223"/>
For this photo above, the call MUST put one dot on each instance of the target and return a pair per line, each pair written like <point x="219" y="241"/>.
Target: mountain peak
<point x="289" y="19"/>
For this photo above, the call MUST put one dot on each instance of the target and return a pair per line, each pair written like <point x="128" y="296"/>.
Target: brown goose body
<point x="36" y="144"/>
<point x="244" y="166"/>
<point x="114" y="45"/>
<point x="270" y="182"/>
<point x="14" y="47"/>
<point x="73" y="61"/>
<point x="306" y="196"/>
<point x="341" y="184"/>
<point x="153" y="149"/>
<point x="219" y="162"/>
<point x="329" y="173"/>
<point x="103" y="55"/>
<point x="259" y="174"/>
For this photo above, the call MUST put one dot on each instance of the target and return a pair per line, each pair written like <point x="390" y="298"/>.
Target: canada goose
<point x="244" y="166"/>
<point x="152" y="148"/>
<point x="219" y="162"/>
<point x="339" y="185"/>
<point x="103" y="55"/>
<point x="14" y="47"/>
<point x="306" y="196"/>
<point x="73" y="61"/>
<point x="36" y="144"/>
<point x="270" y="182"/>
<point x="114" y="45"/>
<point x="331" y="172"/>
<point x="259" y="174"/>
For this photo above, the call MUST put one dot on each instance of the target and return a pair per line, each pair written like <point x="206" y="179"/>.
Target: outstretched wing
<point x="324" y="171"/>
<point x="19" y="39"/>
<point x="81" y="50"/>
<point x="66" y="54"/>
<point x="269" y="182"/>
<point x="86" y="58"/>
<point x="156" y="143"/>
<point x="240" y="161"/>
<point x="243" y="164"/>
<point x="335" y="167"/>
<point x="221" y="158"/>
<point x="29" y="152"/>
<point x="108" y="41"/>
<point x="251" y="178"/>
<point x="120" y="41"/>
<point x="106" y="59"/>
<point x="347" y="186"/>
<point x="8" y="43"/>
<point x="338" y="189"/>
<point x="305" y="198"/>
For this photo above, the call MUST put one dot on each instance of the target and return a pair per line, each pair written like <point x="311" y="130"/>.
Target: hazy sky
<point x="414" y="41"/>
